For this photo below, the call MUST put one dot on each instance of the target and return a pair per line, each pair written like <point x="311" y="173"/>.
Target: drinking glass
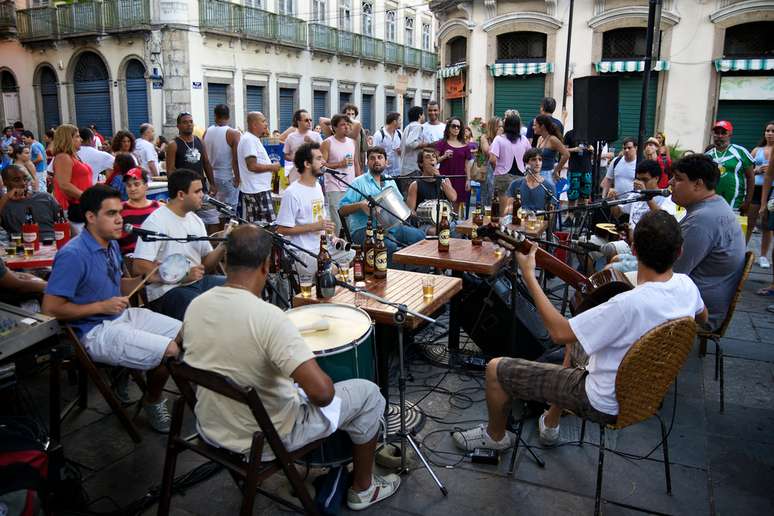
<point x="29" y="249"/>
<point x="306" y="280"/>
<point x="428" y="287"/>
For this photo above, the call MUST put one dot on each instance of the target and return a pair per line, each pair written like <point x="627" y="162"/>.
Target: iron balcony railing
<point x="7" y="18"/>
<point x="393" y="53"/>
<point x="371" y="49"/>
<point x="322" y="38"/>
<point x="412" y="57"/>
<point x="429" y="61"/>
<point x="230" y="18"/>
<point x="82" y="19"/>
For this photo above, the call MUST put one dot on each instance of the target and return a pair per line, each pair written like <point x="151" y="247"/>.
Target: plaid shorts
<point x="257" y="207"/>
<point x="551" y="383"/>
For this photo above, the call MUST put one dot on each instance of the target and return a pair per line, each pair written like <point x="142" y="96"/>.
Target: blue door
<point x="136" y="96"/>
<point x="389" y="106"/>
<point x="344" y="99"/>
<point x="49" y="96"/>
<point x="216" y="94"/>
<point x="254" y="99"/>
<point x="408" y="103"/>
<point x="320" y="105"/>
<point x="287" y="104"/>
<point x="92" y="94"/>
<point x="367" y="112"/>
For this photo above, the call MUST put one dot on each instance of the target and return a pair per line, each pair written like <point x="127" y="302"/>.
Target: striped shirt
<point x="135" y="217"/>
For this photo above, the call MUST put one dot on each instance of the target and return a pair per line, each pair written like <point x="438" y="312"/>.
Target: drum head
<point x="174" y="268"/>
<point x="348" y="325"/>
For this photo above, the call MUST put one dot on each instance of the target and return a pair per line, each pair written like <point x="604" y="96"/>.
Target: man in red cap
<point x="735" y="163"/>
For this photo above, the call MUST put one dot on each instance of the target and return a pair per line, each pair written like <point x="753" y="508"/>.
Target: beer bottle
<point x="444" y="234"/>
<point x="61" y="229"/>
<point x="380" y="256"/>
<point x="516" y="209"/>
<point x="478" y="221"/>
<point x="30" y="229"/>
<point x="368" y="249"/>
<point x="358" y="265"/>
<point x="325" y="282"/>
<point x="496" y="210"/>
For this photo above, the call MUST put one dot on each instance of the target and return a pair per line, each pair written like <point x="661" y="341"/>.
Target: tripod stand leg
<point x="426" y="464"/>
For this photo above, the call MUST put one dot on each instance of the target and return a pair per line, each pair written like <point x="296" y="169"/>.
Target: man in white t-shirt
<point x="599" y="338"/>
<point x="433" y="129"/>
<point x="98" y="160"/>
<point x="619" y="178"/>
<point x="388" y="138"/>
<point x="302" y="121"/>
<point x="255" y="171"/>
<point x="145" y="151"/>
<point x="178" y="220"/>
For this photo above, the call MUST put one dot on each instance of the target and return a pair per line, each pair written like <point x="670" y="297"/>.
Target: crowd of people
<point x="685" y="268"/>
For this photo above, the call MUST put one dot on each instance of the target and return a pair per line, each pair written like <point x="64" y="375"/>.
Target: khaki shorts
<point x="551" y="383"/>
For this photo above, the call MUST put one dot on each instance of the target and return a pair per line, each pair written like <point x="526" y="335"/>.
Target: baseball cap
<point x="724" y="124"/>
<point x="136" y="173"/>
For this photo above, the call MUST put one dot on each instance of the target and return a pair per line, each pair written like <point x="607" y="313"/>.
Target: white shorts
<point x="137" y="339"/>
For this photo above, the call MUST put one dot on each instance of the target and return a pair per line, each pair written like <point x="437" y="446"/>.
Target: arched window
<point x="521" y="46"/>
<point x="10" y="98"/>
<point x="92" y="93"/>
<point x="457" y="50"/>
<point x="754" y="39"/>
<point x="626" y="43"/>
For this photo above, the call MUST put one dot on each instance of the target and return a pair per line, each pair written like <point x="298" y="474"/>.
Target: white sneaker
<point x="478" y="437"/>
<point x="381" y="488"/>
<point x="548" y="436"/>
<point x="158" y="416"/>
<point x="763" y="262"/>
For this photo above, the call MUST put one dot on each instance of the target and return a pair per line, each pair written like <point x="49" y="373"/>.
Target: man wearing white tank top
<point x="221" y="142"/>
<point x="339" y="154"/>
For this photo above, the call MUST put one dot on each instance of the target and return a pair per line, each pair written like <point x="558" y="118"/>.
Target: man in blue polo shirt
<point x="86" y="291"/>
<point x="355" y="207"/>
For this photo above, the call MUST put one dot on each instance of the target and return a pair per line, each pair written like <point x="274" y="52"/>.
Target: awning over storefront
<point x="743" y="65"/>
<point x="505" y="69"/>
<point x="635" y="65"/>
<point x="451" y="71"/>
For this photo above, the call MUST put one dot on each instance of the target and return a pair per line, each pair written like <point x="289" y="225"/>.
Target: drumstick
<point x="144" y="281"/>
<point x="318" y="325"/>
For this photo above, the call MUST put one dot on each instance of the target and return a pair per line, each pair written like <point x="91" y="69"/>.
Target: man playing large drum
<point x="232" y="331"/>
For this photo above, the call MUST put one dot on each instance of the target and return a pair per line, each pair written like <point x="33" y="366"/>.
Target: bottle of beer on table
<point x="61" y="229"/>
<point x="478" y="221"/>
<point x="495" y="210"/>
<point x="326" y="283"/>
<point x="380" y="256"/>
<point x="444" y="233"/>
<point x="358" y="265"/>
<point x="30" y="229"/>
<point x="368" y="249"/>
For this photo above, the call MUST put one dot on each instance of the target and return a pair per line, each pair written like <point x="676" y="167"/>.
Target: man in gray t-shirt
<point x="713" y="246"/>
<point x="14" y="204"/>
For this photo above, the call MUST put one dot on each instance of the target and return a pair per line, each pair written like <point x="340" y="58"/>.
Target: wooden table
<point x="462" y="256"/>
<point x="465" y="228"/>
<point x="43" y="257"/>
<point x="400" y="287"/>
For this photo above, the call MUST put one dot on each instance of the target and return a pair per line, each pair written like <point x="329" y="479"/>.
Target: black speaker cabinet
<point x="595" y="108"/>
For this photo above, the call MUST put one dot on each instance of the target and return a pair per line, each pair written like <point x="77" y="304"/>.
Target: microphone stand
<point x="399" y="317"/>
<point x="437" y="179"/>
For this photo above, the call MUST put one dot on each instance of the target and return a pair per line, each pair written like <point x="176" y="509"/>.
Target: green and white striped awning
<point x="451" y="71"/>
<point x="635" y="65"/>
<point x="743" y="65"/>
<point x="505" y="69"/>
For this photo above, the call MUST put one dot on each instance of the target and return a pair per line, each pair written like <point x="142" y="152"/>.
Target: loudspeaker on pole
<point x="595" y="108"/>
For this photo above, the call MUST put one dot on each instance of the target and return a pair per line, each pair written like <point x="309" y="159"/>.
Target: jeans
<point x="227" y="192"/>
<point x="406" y="235"/>
<point x="175" y="302"/>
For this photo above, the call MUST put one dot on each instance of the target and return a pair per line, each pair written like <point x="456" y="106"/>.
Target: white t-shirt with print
<point x="300" y="205"/>
<point x="641" y="208"/>
<point x="145" y="152"/>
<point x="251" y="182"/>
<point x="606" y="332"/>
<point x="165" y="221"/>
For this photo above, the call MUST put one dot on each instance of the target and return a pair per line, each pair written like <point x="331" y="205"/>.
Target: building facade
<point x="119" y="63"/>
<point x="715" y="60"/>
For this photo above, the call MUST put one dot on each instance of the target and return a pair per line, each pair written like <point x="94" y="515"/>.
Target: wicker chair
<point x="642" y="381"/>
<point x="716" y="335"/>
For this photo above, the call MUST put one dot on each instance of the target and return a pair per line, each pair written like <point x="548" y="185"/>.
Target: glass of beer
<point x="29" y="249"/>
<point x="428" y="287"/>
<point x="306" y="281"/>
<point x="498" y="251"/>
<point x="344" y="273"/>
<point x="10" y="250"/>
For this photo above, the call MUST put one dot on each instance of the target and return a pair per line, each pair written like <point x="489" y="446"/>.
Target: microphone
<point x="128" y="228"/>
<point x="347" y="286"/>
<point x="219" y="205"/>
<point x="650" y="194"/>
<point x="332" y="172"/>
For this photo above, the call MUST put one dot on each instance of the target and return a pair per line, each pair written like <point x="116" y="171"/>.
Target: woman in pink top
<point x="506" y="154"/>
<point x="338" y="153"/>
<point x="456" y="159"/>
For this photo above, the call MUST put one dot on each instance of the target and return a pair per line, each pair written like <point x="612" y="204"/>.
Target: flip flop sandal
<point x="765" y="292"/>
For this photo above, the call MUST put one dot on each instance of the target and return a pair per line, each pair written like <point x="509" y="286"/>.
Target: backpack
<point x="400" y="134"/>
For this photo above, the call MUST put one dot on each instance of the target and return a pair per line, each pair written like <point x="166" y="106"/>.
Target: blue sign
<point x="197" y="85"/>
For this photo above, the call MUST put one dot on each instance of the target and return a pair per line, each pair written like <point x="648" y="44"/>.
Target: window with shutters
<point x="391" y="18"/>
<point x="136" y="95"/>
<point x="408" y="31"/>
<point x="626" y="43"/>
<point x="254" y="98"/>
<point x="389" y="104"/>
<point x="426" y="36"/>
<point x="49" y="95"/>
<point x="319" y="11"/>
<point x="345" y="14"/>
<point x="285" y="7"/>
<point x="408" y="102"/>
<point x="368" y="19"/>
<point x="287" y="105"/>
<point x="521" y="46"/>
<point x="367" y="111"/>
<point x="320" y="104"/>
<point x="345" y="98"/>
<point x="456" y="50"/>
<point x="257" y="4"/>
<point x="750" y="40"/>
<point x="39" y="3"/>
<point x="8" y="82"/>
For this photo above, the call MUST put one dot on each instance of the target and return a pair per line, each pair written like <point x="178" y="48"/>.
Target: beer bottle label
<point x="444" y="237"/>
<point x="474" y="232"/>
<point x="381" y="261"/>
<point x="58" y="235"/>
<point x="358" y="269"/>
<point x="29" y="237"/>
<point x="370" y="257"/>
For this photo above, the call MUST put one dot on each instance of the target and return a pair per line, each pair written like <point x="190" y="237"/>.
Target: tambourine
<point x="174" y="268"/>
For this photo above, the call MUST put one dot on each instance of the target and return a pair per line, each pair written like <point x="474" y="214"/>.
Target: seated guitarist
<point x="596" y="341"/>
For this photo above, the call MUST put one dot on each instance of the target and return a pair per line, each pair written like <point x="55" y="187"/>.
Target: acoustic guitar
<point x="589" y="291"/>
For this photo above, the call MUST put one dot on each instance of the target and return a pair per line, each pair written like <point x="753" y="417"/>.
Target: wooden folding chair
<point x="89" y="370"/>
<point x="716" y="335"/>
<point x="248" y="471"/>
